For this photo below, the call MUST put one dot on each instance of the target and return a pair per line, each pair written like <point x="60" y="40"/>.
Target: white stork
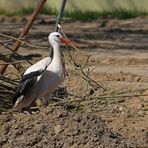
<point x="41" y="79"/>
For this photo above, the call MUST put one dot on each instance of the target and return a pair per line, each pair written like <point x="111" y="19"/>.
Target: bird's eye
<point x="57" y="36"/>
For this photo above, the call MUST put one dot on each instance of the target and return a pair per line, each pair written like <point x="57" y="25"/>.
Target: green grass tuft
<point x="126" y="14"/>
<point x="81" y="15"/>
<point x="90" y="15"/>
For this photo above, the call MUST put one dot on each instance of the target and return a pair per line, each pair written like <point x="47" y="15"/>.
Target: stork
<point x="41" y="79"/>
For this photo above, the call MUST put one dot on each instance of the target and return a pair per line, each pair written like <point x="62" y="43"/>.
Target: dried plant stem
<point x="79" y="70"/>
<point x="120" y="96"/>
<point x="4" y="91"/>
<point x="6" y="41"/>
<point x="8" y="63"/>
<point x="27" y="44"/>
<point x="97" y="98"/>
<point x="14" y="52"/>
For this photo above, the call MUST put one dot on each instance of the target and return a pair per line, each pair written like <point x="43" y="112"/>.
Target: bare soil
<point x="118" y="62"/>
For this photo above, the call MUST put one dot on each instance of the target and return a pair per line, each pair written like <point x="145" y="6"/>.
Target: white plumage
<point x="41" y="79"/>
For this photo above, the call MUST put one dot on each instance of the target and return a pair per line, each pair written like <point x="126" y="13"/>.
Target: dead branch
<point x="6" y="41"/>
<point x="23" y="42"/>
<point x="15" y="52"/>
<point x="12" y="63"/>
<point x="79" y="67"/>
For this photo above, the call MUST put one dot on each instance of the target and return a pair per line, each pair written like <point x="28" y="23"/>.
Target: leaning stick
<point x="59" y="20"/>
<point x="60" y="15"/>
<point x="25" y="30"/>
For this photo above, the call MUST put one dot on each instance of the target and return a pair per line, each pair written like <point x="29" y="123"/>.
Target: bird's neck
<point x="57" y="56"/>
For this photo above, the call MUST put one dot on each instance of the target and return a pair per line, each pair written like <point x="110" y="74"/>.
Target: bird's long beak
<point x="65" y="41"/>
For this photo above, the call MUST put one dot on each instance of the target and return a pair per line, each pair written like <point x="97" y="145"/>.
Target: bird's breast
<point x="56" y="67"/>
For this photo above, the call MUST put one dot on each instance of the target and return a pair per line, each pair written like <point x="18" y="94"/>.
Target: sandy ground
<point x="118" y="62"/>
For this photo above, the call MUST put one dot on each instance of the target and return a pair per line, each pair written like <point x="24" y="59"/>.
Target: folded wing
<point x="28" y="82"/>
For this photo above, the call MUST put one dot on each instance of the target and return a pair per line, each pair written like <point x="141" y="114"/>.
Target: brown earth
<point x="58" y="128"/>
<point x="116" y="117"/>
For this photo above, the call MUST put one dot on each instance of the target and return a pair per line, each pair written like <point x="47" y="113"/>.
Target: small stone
<point x="77" y="118"/>
<point x="57" y="129"/>
<point x="120" y="108"/>
<point x="62" y="114"/>
<point x="141" y="114"/>
<point x="139" y="106"/>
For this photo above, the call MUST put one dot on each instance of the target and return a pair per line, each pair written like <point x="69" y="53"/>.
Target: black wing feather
<point x="31" y="75"/>
<point x="27" y="82"/>
<point x="23" y="88"/>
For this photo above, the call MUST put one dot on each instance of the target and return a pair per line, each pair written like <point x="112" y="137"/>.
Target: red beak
<point x="65" y="41"/>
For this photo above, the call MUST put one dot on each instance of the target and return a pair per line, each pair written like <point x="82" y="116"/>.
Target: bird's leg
<point x="47" y="99"/>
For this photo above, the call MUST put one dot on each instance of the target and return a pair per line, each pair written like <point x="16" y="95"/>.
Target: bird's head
<point x="58" y="38"/>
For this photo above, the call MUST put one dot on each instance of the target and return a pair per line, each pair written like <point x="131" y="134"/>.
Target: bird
<point x="42" y="78"/>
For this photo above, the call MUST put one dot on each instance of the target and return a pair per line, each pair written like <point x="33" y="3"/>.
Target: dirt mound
<point x="57" y="128"/>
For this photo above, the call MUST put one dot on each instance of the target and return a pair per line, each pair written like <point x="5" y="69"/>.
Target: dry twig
<point x="23" y="42"/>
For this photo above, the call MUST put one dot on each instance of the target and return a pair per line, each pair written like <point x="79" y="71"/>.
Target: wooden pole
<point x="25" y="30"/>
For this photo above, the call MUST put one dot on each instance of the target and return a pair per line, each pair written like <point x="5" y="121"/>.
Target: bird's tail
<point x="16" y="96"/>
<point x="18" y="103"/>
